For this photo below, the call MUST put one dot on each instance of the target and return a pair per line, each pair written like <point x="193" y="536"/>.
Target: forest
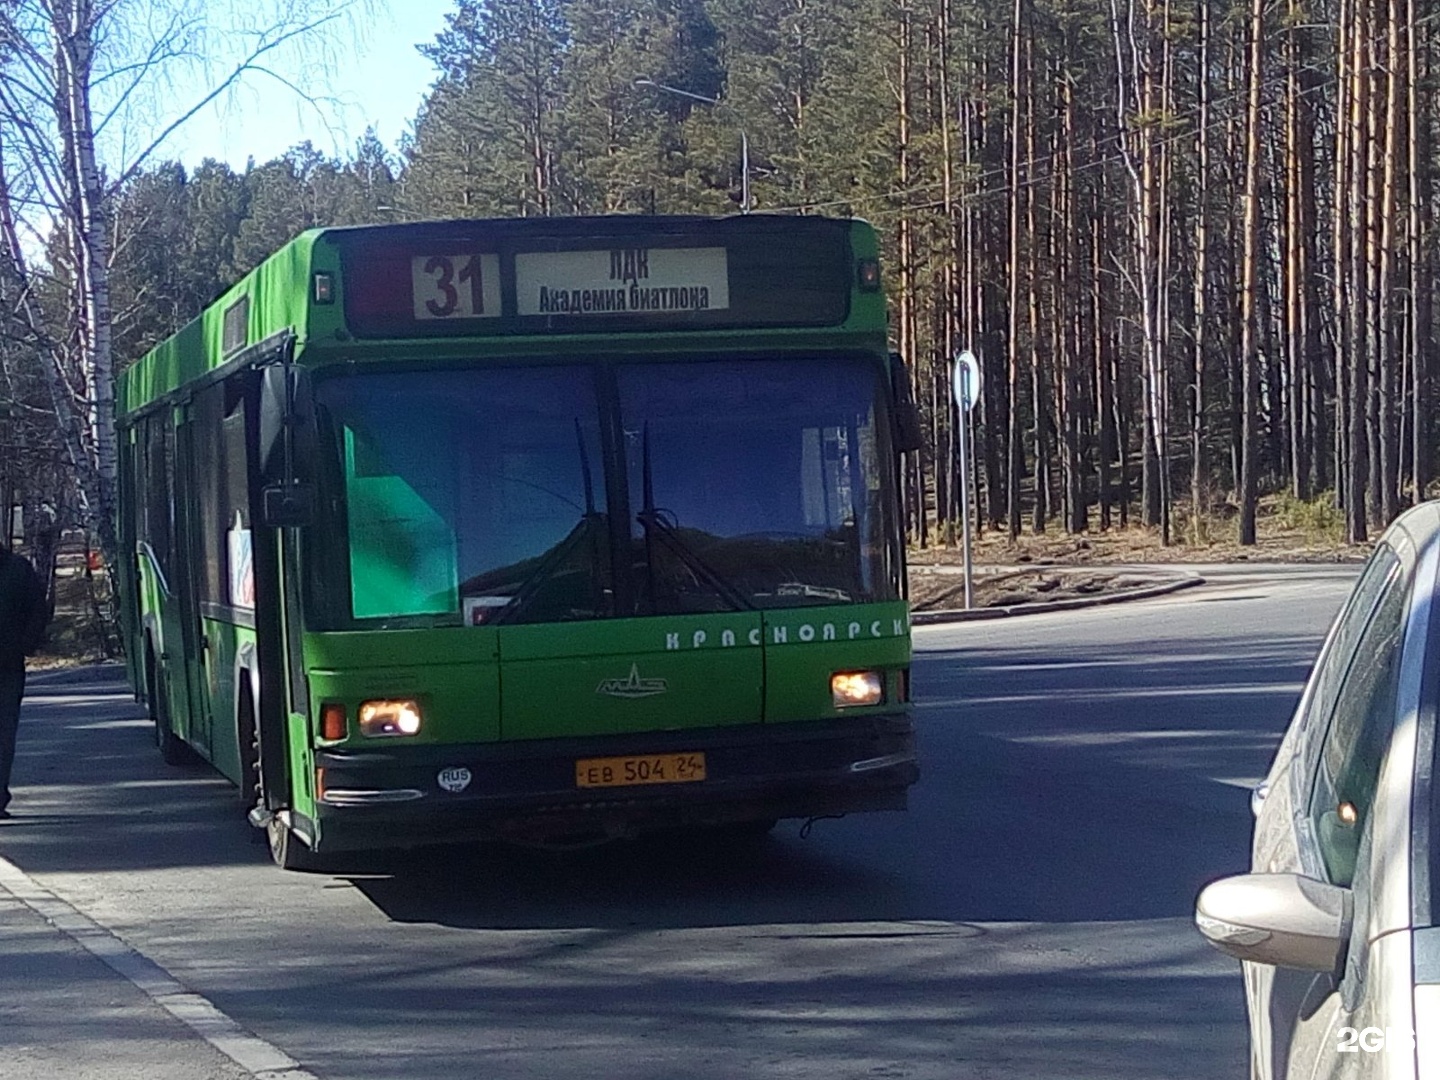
<point x="1192" y="242"/>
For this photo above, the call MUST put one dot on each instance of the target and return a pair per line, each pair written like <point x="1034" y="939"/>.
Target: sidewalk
<point x="77" y="1002"/>
<point x="64" y="1013"/>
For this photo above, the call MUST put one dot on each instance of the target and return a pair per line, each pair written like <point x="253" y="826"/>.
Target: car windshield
<point x="487" y="496"/>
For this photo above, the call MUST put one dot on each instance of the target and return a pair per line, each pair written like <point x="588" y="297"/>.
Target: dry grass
<point x="1288" y="531"/>
<point x="1055" y="565"/>
<point x="78" y="633"/>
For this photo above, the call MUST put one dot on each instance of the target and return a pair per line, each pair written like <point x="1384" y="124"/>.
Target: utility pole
<point x="739" y="122"/>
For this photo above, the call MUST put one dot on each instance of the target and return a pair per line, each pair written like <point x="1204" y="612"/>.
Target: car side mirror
<point x="1281" y="919"/>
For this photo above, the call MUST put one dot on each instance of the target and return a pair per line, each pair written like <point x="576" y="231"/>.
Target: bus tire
<point x="287" y="850"/>
<point x="173" y="750"/>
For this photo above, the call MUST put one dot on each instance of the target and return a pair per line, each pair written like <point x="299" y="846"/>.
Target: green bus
<point x="543" y="530"/>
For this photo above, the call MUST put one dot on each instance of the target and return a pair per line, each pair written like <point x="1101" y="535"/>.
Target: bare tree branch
<point x="240" y="69"/>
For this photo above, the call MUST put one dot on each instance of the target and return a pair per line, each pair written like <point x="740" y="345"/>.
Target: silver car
<point x="1338" y="922"/>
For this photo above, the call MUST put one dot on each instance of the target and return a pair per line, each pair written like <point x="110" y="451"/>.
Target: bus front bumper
<point x="528" y="790"/>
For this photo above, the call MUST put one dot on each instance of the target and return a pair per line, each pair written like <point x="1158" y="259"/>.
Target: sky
<point x="374" y="77"/>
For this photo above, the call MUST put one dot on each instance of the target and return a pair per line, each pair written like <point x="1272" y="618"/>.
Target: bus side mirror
<point x="287" y="411"/>
<point x="288" y="446"/>
<point x="909" y="431"/>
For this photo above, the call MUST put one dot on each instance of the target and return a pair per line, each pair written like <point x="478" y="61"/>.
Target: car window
<point x="1358" y="731"/>
<point x="1335" y="660"/>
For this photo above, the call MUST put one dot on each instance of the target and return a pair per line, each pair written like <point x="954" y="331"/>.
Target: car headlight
<point x="399" y="716"/>
<point x="851" y="688"/>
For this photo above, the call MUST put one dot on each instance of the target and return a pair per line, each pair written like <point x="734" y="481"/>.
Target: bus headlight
<point x="851" y="688"/>
<point x="392" y="717"/>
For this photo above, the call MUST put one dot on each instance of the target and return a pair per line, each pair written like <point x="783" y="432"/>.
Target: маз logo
<point x="632" y="686"/>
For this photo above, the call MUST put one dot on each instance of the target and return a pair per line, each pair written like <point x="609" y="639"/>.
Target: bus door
<point x="158" y="556"/>
<point x="190" y="462"/>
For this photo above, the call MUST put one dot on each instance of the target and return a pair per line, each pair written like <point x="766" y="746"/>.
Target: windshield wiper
<point x="657" y="528"/>
<point x="555" y="557"/>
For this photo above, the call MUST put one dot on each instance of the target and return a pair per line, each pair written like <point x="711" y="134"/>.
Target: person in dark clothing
<point x="23" y="615"/>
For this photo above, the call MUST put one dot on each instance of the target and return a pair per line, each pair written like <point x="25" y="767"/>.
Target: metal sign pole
<point x="965" y="386"/>
<point x="965" y="503"/>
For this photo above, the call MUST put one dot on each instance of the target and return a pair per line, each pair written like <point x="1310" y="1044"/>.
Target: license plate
<point x="635" y="769"/>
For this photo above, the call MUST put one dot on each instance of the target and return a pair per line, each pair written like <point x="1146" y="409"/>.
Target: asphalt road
<point x="1028" y="917"/>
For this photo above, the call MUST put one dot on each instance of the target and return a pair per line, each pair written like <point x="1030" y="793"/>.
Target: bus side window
<point x="159" y="512"/>
<point x="209" y="476"/>
<point x="233" y="507"/>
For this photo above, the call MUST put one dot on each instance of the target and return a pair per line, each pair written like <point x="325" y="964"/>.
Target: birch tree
<point x="83" y="93"/>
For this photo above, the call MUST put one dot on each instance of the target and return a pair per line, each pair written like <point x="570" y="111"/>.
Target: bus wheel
<point x="287" y="849"/>
<point x="172" y="748"/>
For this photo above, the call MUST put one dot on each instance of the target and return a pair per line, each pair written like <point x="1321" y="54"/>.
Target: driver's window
<point x="1358" y="733"/>
<point x="1334" y="662"/>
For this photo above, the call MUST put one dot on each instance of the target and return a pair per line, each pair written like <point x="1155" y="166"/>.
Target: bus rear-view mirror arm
<point x="287" y="438"/>
<point x="909" y="431"/>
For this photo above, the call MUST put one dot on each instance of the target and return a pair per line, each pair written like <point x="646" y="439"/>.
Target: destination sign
<point x="455" y="286"/>
<point x="611" y="275"/>
<point x="622" y="281"/>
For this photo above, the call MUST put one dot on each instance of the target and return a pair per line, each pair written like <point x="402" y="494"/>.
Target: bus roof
<point x="530" y="277"/>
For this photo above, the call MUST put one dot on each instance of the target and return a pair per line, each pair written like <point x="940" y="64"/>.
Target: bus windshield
<point x="547" y="494"/>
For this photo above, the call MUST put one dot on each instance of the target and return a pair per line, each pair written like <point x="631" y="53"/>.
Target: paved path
<point x="1029" y="917"/>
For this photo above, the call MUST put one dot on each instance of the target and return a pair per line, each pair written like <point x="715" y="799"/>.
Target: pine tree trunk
<point x="1105" y="407"/>
<point x="1341" y="334"/>
<point x="1250" y="282"/>
<point x="1039" y="383"/>
<point x="1419" y="280"/>
<point x="1388" y="361"/>
<point x="1295" y="270"/>
<point x="951" y="317"/>
<point x="1202" y="272"/>
<point x="1014" y="442"/>
<point x="1354" y="290"/>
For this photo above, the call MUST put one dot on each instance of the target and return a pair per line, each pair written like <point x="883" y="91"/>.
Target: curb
<point x="1145" y="592"/>
<point x="261" y="1059"/>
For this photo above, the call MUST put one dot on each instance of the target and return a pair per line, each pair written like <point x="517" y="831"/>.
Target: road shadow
<point x="1021" y="815"/>
<point x="1071" y="786"/>
<point x="976" y="846"/>
<point x="1189" y="714"/>
<point x="910" y="1009"/>
<point x="91" y="793"/>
